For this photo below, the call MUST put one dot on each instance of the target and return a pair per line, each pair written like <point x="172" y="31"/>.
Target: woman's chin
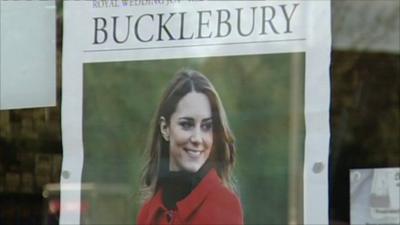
<point x="192" y="168"/>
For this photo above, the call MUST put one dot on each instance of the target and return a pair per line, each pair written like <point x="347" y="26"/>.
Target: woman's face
<point x="190" y="133"/>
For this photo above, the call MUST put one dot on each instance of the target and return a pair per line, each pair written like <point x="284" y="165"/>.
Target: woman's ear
<point x="164" y="129"/>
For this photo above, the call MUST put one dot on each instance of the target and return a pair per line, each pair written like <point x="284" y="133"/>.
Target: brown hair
<point x="223" y="152"/>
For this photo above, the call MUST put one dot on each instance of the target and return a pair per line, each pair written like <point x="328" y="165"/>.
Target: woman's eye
<point x="186" y="125"/>
<point x="206" y="126"/>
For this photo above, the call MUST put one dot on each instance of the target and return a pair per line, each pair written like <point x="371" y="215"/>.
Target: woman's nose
<point x="195" y="138"/>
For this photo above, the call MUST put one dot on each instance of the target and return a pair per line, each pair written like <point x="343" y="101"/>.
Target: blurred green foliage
<point x="120" y="99"/>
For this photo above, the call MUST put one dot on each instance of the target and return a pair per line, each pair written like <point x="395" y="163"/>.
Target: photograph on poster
<point x="244" y="120"/>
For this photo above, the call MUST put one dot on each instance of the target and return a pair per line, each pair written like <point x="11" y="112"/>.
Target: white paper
<point x="28" y="54"/>
<point x="308" y="31"/>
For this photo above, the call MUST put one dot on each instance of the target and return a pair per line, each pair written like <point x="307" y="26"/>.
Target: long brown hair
<point x="223" y="152"/>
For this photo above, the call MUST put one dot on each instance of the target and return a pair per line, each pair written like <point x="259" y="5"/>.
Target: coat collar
<point x="188" y="205"/>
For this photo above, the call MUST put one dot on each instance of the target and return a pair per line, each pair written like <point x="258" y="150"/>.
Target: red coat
<point x="209" y="203"/>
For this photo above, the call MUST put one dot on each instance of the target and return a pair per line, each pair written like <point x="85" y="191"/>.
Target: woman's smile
<point x="192" y="152"/>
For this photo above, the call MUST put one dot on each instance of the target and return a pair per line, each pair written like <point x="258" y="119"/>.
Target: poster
<point x="269" y="64"/>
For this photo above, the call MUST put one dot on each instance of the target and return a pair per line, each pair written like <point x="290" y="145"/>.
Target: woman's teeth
<point x="193" y="152"/>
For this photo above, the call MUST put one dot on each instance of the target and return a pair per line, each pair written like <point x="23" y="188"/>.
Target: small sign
<point x="375" y="196"/>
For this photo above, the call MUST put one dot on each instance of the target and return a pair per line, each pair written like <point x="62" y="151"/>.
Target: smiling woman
<point x="189" y="133"/>
<point x="191" y="153"/>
